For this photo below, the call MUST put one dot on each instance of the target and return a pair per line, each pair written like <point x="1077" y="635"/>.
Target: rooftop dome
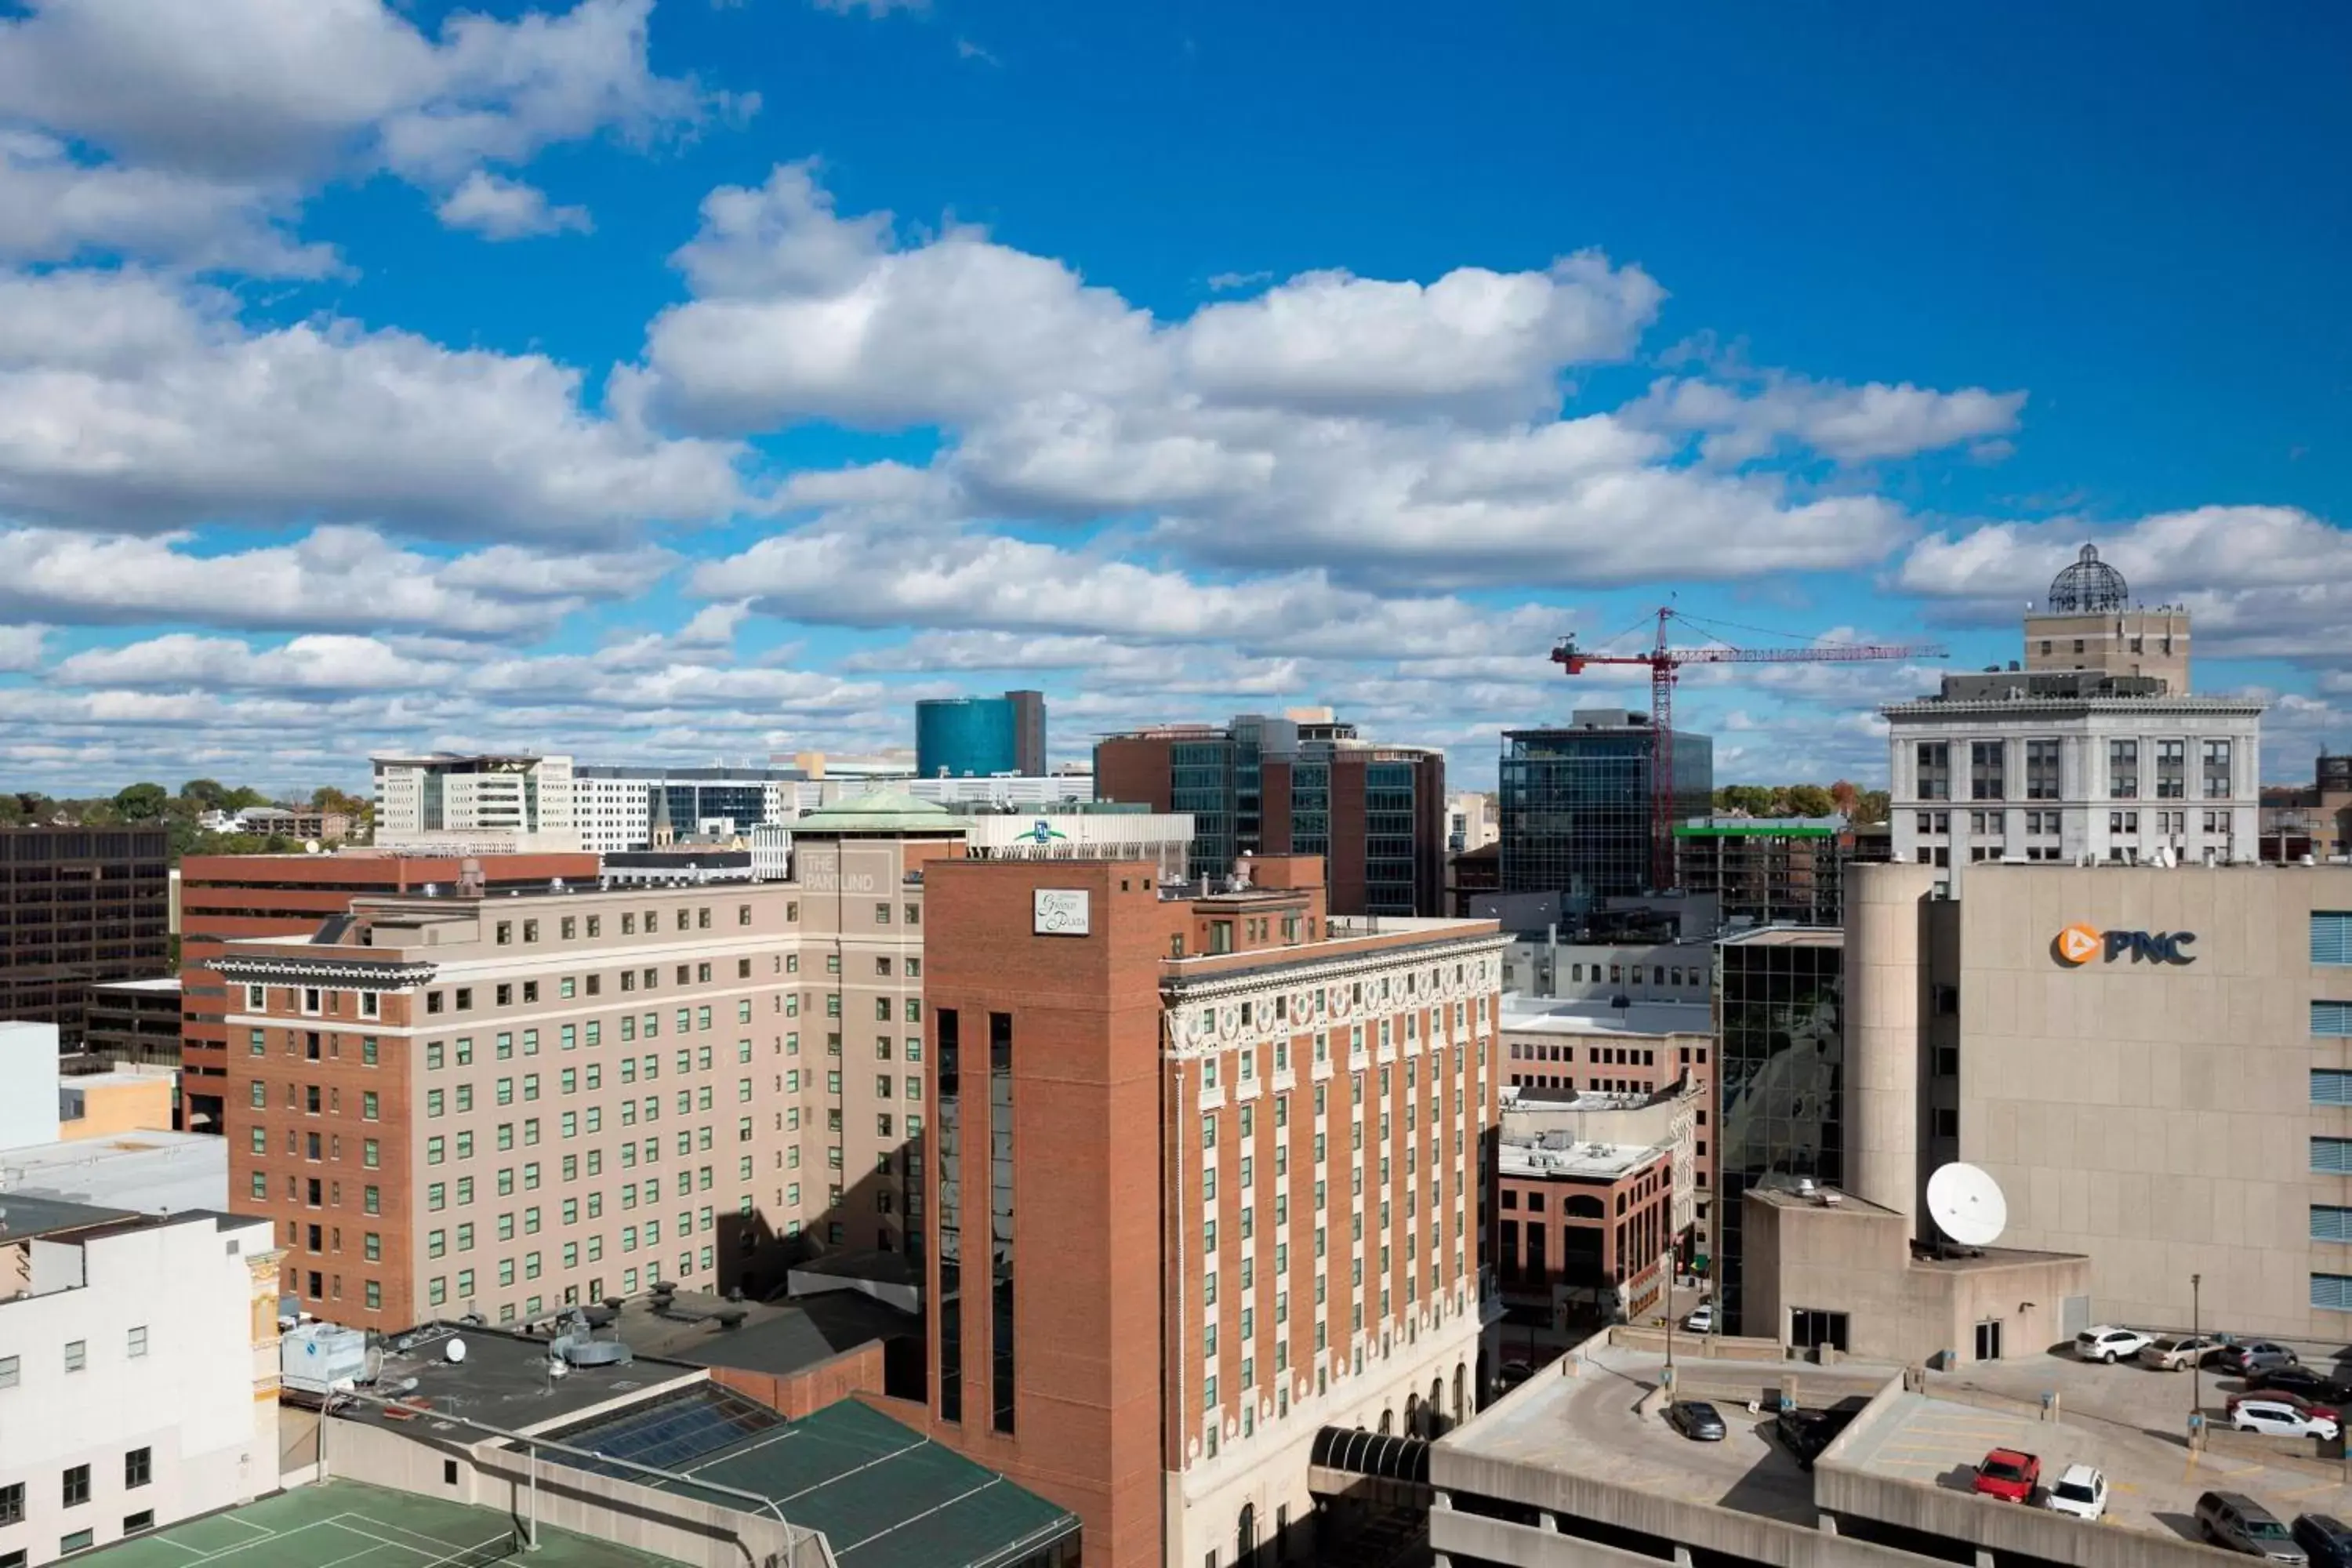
<point x="881" y="811"/>
<point x="2088" y="587"/>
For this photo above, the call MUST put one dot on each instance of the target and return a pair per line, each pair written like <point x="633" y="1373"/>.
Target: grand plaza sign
<point x="2078" y="945"/>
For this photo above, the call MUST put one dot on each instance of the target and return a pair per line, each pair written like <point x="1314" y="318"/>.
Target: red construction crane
<point x="1664" y="665"/>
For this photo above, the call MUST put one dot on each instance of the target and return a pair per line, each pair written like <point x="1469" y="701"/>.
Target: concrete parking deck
<point x="2129" y="1422"/>
<point x="345" y="1524"/>
<point x="1588" y="1404"/>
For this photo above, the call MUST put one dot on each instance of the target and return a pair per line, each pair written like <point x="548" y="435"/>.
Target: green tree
<point x="205" y="795"/>
<point x="141" y="802"/>
<point x="1810" y="800"/>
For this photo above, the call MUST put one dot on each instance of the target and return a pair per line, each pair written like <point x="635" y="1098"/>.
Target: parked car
<point x="2277" y="1419"/>
<point x="2256" y="1355"/>
<point x="2009" y="1475"/>
<point x="1695" y="1419"/>
<point x="2300" y="1381"/>
<point x="2326" y="1540"/>
<point x="1806" y="1433"/>
<point x="2081" y="1492"/>
<point x="1515" y="1373"/>
<point x="1702" y="1319"/>
<point x="2179" y="1353"/>
<point x="2236" y="1522"/>
<point x="2297" y="1402"/>
<point x="2109" y="1343"/>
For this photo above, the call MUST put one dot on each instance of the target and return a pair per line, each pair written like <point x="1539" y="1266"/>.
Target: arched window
<point x="1245" y="1536"/>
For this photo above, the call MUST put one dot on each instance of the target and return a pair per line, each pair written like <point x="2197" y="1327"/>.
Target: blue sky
<point x="681" y="381"/>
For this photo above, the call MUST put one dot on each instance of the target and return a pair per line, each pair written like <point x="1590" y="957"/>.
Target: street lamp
<point x="2196" y="1339"/>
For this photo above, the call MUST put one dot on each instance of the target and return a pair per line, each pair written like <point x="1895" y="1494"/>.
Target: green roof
<point x="885" y="1496"/>
<point x="881" y="811"/>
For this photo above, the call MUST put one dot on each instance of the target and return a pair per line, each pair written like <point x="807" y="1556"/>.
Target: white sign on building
<point x="1060" y="911"/>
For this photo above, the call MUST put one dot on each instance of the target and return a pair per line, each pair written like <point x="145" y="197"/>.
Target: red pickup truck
<point x="2009" y="1475"/>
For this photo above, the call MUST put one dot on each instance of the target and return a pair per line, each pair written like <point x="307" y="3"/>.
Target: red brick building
<point x="223" y="897"/>
<point x="1205" y="1178"/>
<point x="1585" y="1226"/>
<point x="1300" y="784"/>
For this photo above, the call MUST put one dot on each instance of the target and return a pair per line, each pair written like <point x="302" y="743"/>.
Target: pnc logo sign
<point x="2079" y="944"/>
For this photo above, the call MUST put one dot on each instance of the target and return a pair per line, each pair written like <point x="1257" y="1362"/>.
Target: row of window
<point x="75" y="1358"/>
<point x="73" y="1485"/>
<point x="1988" y="764"/>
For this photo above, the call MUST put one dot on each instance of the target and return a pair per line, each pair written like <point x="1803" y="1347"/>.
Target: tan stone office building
<point x="2155" y="1063"/>
<point x="502" y="1102"/>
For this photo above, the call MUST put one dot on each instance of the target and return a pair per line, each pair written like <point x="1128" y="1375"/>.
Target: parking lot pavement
<point x="2129" y="1421"/>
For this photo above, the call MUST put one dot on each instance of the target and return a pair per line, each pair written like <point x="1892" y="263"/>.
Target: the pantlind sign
<point x="2079" y="944"/>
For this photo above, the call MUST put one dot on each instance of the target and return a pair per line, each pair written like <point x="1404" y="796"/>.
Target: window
<point x="138" y="1468"/>
<point x="77" y="1355"/>
<point x="2042" y="769"/>
<point x="137" y="1341"/>
<point x="2171" y="770"/>
<point x="2332" y="1292"/>
<point x="1809" y="1327"/>
<point x="2331" y="1224"/>
<point x="2331" y="1086"/>
<point x="1935" y="770"/>
<point x="2332" y="1156"/>
<point x="76" y="1490"/>
<point x="2216" y="771"/>
<point x="2333" y="1020"/>
<point x="2123" y="770"/>
<point x="1986" y="771"/>
<point x="2331" y="937"/>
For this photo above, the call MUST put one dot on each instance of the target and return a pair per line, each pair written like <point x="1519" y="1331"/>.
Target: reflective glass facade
<point x="966" y="737"/>
<point x="1779" y="1072"/>
<point x="1388" y="837"/>
<point x="1576" y="806"/>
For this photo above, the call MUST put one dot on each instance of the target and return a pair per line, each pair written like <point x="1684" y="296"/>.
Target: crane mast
<point x="1664" y="665"/>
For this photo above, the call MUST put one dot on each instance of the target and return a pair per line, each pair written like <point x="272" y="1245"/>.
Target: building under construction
<point x="1779" y="870"/>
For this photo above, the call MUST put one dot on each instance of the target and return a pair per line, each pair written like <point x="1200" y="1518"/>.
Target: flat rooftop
<point x="354" y="1525"/>
<point x="778" y="1337"/>
<point x="1601" y="1161"/>
<point x="1579" y="1415"/>
<point x="23" y="1216"/>
<point x="503" y="1380"/>
<point x="2127" y="1421"/>
<point x="152" y="1173"/>
<point x="1525" y="1014"/>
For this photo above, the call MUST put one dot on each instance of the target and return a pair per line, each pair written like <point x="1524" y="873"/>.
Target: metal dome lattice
<point x="2088" y="587"/>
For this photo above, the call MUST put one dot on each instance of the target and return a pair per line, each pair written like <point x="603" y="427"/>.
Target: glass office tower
<point x="1576" y="802"/>
<point x="1779" y="1030"/>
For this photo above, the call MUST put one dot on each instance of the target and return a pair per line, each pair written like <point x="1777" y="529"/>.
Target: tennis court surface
<point x="347" y="1524"/>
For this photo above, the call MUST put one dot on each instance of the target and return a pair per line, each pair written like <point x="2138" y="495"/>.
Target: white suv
<point x="2277" y="1419"/>
<point x="2110" y="1345"/>
<point x="2081" y="1492"/>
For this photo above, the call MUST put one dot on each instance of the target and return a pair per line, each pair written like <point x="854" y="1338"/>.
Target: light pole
<point x="2196" y="1338"/>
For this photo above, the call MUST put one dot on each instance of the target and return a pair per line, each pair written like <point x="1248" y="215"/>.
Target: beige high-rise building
<point x="2154" y="1063"/>
<point x="503" y="1103"/>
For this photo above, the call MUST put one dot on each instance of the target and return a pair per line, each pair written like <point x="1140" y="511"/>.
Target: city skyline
<point x="664" y="383"/>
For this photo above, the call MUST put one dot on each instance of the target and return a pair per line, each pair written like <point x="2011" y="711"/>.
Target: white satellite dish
<point x="456" y="1350"/>
<point x="1966" y="1204"/>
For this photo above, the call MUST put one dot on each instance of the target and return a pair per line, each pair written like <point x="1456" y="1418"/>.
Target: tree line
<point x="179" y="813"/>
<point x="1844" y="798"/>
